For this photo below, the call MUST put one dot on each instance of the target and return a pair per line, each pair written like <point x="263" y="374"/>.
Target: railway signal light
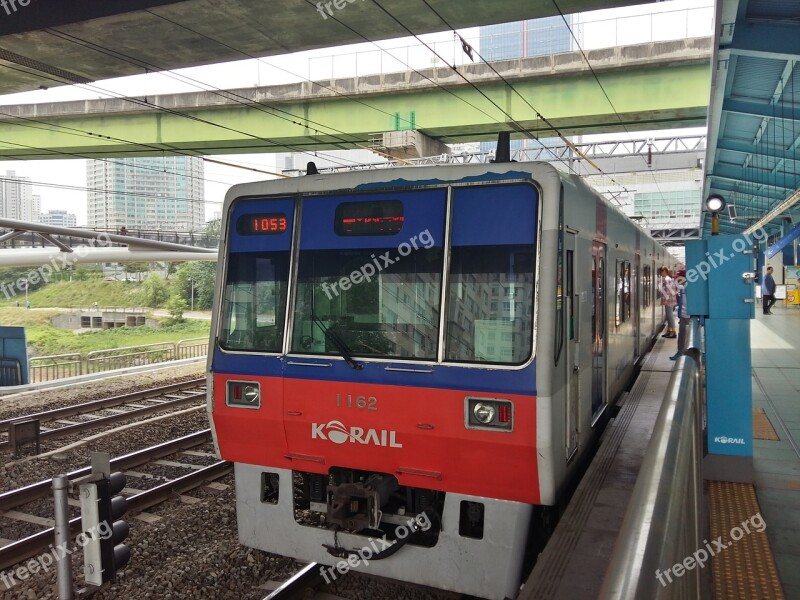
<point x="101" y="510"/>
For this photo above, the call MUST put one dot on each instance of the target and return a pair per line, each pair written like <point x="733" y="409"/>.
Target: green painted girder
<point x="656" y="97"/>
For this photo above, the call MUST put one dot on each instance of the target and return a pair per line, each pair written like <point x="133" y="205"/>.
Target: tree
<point x="176" y="307"/>
<point x="138" y="268"/>
<point x="213" y="230"/>
<point x="155" y="291"/>
<point x="201" y="275"/>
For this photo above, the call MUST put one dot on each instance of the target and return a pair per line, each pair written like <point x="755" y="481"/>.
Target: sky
<point x="675" y="19"/>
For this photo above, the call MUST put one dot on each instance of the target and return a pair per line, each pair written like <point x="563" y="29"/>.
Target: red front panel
<point x="417" y="434"/>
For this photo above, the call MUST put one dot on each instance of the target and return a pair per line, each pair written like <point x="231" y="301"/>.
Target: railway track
<point x="300" y="586"/>
<point x="122" y="408"/>
<point x="31" y="545"/>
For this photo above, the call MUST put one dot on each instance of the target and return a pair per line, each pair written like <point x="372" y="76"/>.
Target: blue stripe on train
<point x="522" y="381"/>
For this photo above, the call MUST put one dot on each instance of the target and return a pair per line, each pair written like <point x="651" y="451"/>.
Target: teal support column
<point x="723" y="291"/>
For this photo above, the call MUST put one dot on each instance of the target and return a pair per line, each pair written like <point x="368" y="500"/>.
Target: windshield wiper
<point x="338" y="342"/>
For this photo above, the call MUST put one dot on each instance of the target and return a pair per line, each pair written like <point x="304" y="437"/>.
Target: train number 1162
<point x="362" y="402"/>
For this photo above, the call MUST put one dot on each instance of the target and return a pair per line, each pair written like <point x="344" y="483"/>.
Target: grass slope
<point x="44" y="339"/>
<point x="80" y="294"/>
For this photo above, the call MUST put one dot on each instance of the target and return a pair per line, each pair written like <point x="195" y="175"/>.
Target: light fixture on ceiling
<point x="785" y="205"/>
<point x="715" y="204"/>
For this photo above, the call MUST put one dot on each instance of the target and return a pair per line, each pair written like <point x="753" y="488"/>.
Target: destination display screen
<point x="383" y="217"/>
<point x="262" y="224"/>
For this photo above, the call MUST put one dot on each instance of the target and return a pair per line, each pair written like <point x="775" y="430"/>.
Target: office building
<point x="59" y="218"/>
<point x="164" y="193"/>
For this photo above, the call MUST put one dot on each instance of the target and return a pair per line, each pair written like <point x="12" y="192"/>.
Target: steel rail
<point x="299" y="584"/>
<point x="61" y="432"/>
<point x="30" y="546"/>
<point x="76" y="409"/>
<point x="34" y="491"/>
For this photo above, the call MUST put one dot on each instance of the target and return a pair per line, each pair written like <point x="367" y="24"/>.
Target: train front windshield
<point x="370" y="273"/>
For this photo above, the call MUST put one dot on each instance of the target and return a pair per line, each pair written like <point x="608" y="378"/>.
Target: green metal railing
<point x="58" y="366"/>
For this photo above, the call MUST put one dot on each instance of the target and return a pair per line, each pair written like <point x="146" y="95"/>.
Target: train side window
<point x="619" y="309"/>
<point x="571" y="294"/>
<point x="626" y="291"/>
<point x="559" y="324"/>
<point x="623" y="292"/>
<point x="472" y="338"/>
<point x="646" y="286"/>
<point x="492" y="256"/>
<point x="254" y="302"/>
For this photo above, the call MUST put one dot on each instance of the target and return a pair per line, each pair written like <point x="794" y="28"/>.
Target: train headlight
<point x="489" y="413"/>
<point x="484" y="413"/>
<point x="243" y="394"/>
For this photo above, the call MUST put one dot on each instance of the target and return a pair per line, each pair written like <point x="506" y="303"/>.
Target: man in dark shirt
<point x="768" y="292"/>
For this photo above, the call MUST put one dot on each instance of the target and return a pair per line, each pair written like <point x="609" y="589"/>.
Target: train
<point x="409" y="365"/>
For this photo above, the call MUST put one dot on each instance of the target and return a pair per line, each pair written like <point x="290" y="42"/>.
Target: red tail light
<point x="245" y="394"/>
<point x="489" y="413"/>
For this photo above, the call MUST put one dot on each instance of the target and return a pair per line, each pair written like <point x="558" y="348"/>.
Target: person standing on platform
<point x="669" y="299"/>
<point x="683" y="316"/>
<point x="768" y="292"/>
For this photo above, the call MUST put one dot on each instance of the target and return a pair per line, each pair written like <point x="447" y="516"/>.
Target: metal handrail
<point x="663" y="523"/>
<point x="191" y="348"/>
<point x="55" y="366"/>
<point x="141" y="354"/>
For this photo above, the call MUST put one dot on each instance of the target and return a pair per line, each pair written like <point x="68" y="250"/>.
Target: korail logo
<point x="723" y="439"/>
<point x="336" y="432"/>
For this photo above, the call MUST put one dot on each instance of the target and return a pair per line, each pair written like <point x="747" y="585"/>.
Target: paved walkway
<point x="775" y="341"/>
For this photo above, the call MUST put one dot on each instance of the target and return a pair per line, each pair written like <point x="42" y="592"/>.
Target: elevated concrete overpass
<point x="53" y="42"/>
<point x="658" y="85"/>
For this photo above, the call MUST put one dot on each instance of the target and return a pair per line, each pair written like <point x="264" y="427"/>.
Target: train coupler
<point x="357" y="506"/>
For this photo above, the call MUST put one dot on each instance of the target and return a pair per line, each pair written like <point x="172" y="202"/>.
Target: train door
<point x="572" y="362"/>
<point x="598" y="328"/>
<point x="634" y="306"/>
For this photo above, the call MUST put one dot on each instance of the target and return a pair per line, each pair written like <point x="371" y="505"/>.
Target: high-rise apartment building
<point x="164" y="192"/>
<point x="59" y="218"/>
<point x="17" y="200"/>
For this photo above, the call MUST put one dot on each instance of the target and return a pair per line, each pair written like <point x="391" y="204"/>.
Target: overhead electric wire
<point x="435" y="83"/>
<point x="261" y="60"/>
<point x="518" y="126"/>
<point x="150" y="105"/>
<point x="332" y="89"/>
<point x="603" y="89"/>
<point x="114" y="161"/>
<point x="539" y="116"/>
<point x="66" y="186"/>
<point x="227" y="94"/>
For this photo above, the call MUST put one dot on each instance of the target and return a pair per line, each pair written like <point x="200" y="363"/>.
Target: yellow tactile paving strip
<point x="762" y="428"/>
<point x="742" y="566"/>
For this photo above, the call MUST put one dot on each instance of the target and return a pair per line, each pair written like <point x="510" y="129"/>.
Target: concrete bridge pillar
<point x="410" y="144"/>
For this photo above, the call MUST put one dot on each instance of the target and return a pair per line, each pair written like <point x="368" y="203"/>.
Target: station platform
<point x="775" y="342"/>
<point x="763" y="563"/>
